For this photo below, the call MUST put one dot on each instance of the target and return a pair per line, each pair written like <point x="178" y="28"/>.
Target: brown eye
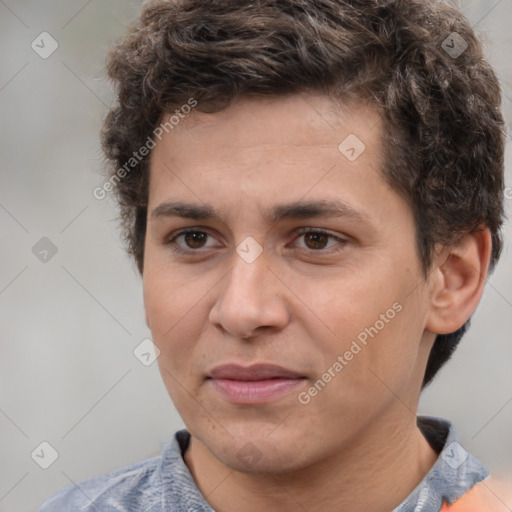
<point x="319" y="240"/>
<point x="195" y="239"/>
<point x="191" y="241"/>
<point x="316" y="240"/>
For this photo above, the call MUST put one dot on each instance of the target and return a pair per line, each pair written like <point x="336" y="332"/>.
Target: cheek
<point x="170" y="311"/>
<point x="375" y="325"/>
<point x="350" y="305"/>
<point x="168" y="294"/>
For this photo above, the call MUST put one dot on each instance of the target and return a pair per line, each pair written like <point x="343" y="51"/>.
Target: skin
<point x="300" y="305"/>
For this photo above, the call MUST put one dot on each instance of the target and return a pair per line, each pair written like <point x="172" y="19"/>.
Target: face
<point x="275" y="247"/>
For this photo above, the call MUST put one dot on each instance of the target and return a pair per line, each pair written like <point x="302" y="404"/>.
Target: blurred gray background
<point x="71" y="319"/>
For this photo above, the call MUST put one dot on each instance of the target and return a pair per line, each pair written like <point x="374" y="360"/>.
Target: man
<point x="312" y="192"/>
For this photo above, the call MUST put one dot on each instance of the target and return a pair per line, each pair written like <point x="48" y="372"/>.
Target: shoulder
<point x="493" y="494"/>
<point x="135" y="487"/>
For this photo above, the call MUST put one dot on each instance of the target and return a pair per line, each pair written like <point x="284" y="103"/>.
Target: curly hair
<point x="418" y="63"/>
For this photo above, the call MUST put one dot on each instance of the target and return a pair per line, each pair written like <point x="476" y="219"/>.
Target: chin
<point x="255" y="451"/>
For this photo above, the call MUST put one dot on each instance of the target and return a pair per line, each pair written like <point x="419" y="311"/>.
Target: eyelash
<point x="300" y="231"/>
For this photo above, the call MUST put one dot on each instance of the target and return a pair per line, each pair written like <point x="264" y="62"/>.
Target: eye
<point x="317" y="239"/>
<point x="192" y="239"/>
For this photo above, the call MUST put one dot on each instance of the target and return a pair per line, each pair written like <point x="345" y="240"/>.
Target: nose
<point x="251" y="300"/>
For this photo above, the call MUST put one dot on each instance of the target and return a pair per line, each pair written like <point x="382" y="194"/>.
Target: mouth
<point x="252" y="385"/>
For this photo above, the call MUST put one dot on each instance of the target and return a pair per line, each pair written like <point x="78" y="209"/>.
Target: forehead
<point x="299" y="119"/>
<point x="264" y="151"/>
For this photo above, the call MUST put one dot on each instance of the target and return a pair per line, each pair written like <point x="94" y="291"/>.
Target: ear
<point x="457" y="281"/>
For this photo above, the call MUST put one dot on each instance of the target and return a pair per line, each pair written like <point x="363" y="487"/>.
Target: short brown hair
<point x="444" y="135"/>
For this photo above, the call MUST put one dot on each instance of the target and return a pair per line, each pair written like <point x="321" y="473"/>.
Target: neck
<point x="376" y="472"/>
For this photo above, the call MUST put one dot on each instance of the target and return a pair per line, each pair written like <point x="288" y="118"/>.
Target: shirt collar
<point x="453" y="474"/>
<point x="180" y="492"/>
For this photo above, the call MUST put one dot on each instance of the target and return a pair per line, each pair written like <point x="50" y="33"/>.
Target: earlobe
<point x="458" y="281"/>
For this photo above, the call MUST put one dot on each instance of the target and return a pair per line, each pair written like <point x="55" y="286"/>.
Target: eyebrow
<point x="295" y="210"/>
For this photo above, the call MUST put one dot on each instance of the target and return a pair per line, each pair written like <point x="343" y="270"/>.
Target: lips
<point x="254" y="372"/>
<point x="254" y="385"/>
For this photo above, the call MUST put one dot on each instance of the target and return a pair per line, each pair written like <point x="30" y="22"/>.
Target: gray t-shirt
<point x="164" y="483"/>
